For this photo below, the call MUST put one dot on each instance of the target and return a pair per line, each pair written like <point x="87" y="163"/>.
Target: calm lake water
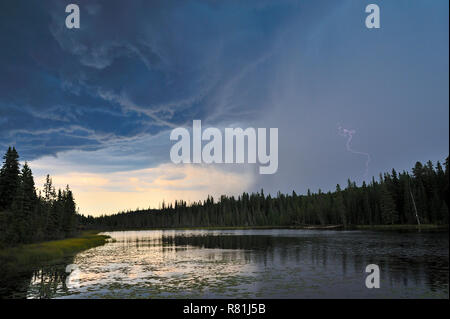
<point x="247" y="264"/>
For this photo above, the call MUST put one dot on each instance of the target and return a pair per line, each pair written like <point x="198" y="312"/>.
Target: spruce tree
<point x="24" y="206"/>
<point x="339" y="205"/>
<point x="9" y="178"/>
<point x="69" y="212"/>
<point x="389" y="213"/>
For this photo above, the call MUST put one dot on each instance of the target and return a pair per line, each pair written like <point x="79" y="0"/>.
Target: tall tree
<point x="9" y="178"/>
<point x="339" y="205"/>
<point x="69" y="212"/>
<point x="26" y="217"/>
<point x="24" y="206"/>
<point x="389" y="212"/>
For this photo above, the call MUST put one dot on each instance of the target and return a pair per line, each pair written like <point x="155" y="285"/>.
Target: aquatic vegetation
<point x="235" y="264"/>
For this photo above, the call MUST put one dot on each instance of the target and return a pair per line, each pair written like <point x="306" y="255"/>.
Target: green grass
<point x="27" y="256"/>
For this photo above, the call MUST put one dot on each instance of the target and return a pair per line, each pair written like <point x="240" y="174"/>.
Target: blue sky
<point x="94" y="106"/>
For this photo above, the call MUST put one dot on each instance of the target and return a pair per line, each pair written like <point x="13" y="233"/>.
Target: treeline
<point x="392" y="199"/>
<point x="27" y="216"/>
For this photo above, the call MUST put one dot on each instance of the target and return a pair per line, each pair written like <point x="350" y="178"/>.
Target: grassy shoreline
<point x="27" y="256"/>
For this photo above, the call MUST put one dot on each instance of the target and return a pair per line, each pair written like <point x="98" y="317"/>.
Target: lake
<point x="279" y="263"/>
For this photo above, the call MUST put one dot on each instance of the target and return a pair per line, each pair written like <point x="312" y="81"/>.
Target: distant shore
<point x="301" y="227"/>
<point x="402" y="227"/>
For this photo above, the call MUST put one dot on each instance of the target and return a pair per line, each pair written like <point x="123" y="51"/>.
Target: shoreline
<point x="36" y="253"/>
<point x="304" y="227"/>
<point x="26" y="256"/>
<point x="403" y="227"/>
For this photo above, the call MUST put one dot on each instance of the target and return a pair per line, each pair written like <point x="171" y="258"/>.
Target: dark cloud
<point x="136" y="69"/>
<point x="139" y="67"/>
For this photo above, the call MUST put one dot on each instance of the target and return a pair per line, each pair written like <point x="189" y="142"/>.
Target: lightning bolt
<point x="349" y="135"/>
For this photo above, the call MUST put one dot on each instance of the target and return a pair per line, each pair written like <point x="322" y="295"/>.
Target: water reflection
<point x="42" y="282"/>
<point x="250" y="264"/>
